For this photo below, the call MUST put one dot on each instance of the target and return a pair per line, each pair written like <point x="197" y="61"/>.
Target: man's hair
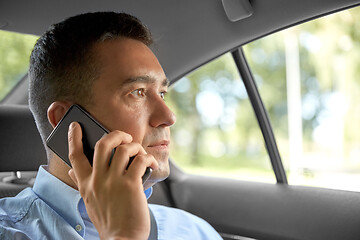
<point x="63" y="65"/>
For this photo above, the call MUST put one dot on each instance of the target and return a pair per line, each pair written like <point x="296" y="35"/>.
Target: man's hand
<point x="114" y="197"/>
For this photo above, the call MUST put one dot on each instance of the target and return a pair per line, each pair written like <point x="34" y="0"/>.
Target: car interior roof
<point x="187" y="34"/>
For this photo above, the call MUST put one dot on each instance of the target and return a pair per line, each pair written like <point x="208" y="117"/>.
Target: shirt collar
<point x="63" y="198"/>
<point x="148" y="192"/>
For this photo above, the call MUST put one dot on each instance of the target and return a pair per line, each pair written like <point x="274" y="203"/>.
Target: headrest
<point x="21" y="148"/>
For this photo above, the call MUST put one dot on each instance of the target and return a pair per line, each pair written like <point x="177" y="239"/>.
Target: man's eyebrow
<point x="144" y="79"/>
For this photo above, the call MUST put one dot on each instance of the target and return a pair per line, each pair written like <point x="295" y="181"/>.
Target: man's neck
<point x="60" y="170"/>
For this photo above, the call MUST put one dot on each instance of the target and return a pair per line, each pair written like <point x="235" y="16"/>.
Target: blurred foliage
<point x="216" y="128"/>
<point x="330" y="86"/>
<point x="222" y="134"/>
<point x="15" y="51"/>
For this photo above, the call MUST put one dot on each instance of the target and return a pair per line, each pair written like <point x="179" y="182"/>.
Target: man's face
<point x="128" y="96"/>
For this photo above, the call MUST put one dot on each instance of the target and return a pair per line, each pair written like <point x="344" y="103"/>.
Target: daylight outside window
<point x="309" y="79"/>
<point x="15" y="49"/>
<point x="216" y="132"/>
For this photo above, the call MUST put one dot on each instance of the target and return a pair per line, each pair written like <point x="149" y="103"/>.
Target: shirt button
<point x="78" y="228"/>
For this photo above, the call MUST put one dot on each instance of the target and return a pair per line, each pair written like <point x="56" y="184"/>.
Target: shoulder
<point x="26" y="216"/>
<point x="12" y="211"/>
<point x="181" y="224"/>
<point x="15" y="208"/>
<point x="174" y="214"/>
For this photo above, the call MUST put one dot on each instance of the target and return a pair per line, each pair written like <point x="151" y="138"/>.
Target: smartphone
<point x="92" y="131"/>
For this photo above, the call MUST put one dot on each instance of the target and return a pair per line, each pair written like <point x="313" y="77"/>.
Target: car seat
<point x="21" y="149"/>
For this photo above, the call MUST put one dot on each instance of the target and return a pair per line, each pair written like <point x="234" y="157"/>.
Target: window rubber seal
<point x="261" y="114"/>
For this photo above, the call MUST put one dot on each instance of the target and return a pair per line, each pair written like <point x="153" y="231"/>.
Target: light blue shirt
<point x="53" y="210"/>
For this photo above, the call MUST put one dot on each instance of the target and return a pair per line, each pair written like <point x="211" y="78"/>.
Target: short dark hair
<point x="63" y="64"/>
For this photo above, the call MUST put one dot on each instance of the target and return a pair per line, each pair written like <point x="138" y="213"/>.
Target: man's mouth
<point x="163" y="144"/>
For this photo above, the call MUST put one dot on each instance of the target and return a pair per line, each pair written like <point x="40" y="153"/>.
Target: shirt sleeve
<point x="177" y="224"/>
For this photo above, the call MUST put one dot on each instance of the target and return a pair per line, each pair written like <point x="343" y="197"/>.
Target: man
<point x="102" y="62"/>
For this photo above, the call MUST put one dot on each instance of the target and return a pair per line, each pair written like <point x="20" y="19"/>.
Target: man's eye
<point x="162" y="95"/>
<point x="139" y="92"/>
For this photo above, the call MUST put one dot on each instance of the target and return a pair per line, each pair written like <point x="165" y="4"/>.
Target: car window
<point x="216" y="132"/>
<point x="15" y="49"/>
<point x="309" y="79"/>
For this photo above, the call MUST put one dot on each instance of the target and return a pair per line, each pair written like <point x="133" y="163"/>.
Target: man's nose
<point x="161" y="114"/>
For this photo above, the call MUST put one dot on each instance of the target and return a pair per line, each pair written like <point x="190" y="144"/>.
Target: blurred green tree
<point x="15" y="51"/>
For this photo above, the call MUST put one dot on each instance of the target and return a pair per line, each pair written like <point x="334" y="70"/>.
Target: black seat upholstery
<point x="21" y="148"/>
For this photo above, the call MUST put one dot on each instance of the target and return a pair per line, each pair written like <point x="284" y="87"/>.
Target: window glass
<point x="309" y="79"/>
<point x="15" y="51"/>
<point x="216" y="132"/>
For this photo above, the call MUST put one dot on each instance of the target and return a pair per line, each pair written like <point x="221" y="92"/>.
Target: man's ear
<point x="56" y="111"/>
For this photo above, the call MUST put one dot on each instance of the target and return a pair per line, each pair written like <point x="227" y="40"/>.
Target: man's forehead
<point x="146" y="79"/>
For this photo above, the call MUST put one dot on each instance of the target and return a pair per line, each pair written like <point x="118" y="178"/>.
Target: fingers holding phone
<point x="104" y="149"/>
<point x="141" y="162"/>
<point x="113" y="195"/>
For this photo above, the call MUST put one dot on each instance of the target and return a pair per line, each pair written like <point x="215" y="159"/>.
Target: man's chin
<point x="157" y="175"/>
